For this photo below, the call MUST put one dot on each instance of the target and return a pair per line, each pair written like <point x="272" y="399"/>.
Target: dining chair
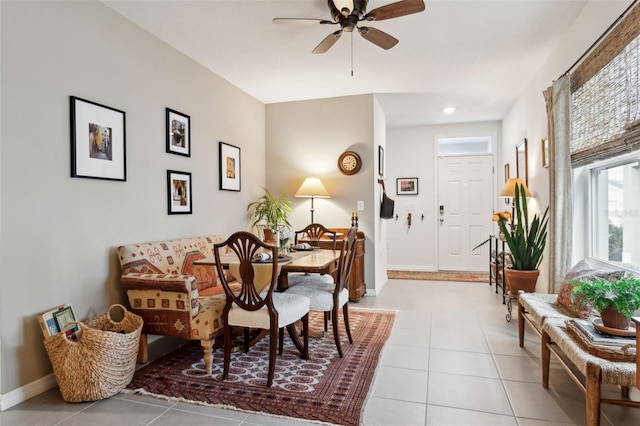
<point x="312" y="234"/>
<point x="256" y="305"/>
<point x="329" y="298"/>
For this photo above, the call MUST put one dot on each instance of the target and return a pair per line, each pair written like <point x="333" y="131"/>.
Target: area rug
<point x="474" y="277"/>
<point x="326" y="388"/>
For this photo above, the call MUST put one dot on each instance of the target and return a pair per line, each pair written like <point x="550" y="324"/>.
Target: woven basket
<point x="101" y="362"/>
<point x="623" y="353"/>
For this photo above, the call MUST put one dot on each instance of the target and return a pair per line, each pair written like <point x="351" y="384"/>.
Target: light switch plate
<point x="360" y="205"/>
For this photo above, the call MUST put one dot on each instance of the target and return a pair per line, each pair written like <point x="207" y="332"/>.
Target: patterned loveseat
<point x="174" y="296"/>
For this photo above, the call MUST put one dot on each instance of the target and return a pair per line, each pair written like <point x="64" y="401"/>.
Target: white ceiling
<point x="474" y="55"/>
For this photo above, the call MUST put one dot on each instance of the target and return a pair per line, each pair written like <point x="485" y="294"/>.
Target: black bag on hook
<point x="387" y="204"/>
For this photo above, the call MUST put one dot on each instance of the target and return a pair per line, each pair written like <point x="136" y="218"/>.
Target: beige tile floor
<point x="452" y="359"/>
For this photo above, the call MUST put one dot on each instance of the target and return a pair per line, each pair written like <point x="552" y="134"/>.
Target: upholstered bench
<point x="596" y="370"/>
<point x="174" y="296"/>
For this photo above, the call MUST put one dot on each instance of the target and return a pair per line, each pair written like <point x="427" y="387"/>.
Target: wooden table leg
<point x="593" y="395"/>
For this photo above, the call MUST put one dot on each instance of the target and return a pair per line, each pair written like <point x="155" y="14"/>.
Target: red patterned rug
<point x="475" y="277"/>
<point x="325" y="388"/>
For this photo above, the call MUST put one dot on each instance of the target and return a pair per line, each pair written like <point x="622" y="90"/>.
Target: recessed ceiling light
<point x="449" y="110"/>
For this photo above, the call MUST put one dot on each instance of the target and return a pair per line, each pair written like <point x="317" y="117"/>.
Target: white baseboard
<point x="27" y="391"/>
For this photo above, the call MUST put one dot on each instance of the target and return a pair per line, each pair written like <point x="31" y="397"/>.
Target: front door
<point x="465" y="206"/>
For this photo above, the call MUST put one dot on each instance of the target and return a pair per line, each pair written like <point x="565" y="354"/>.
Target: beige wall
<point x="305" y="139"/>
<point x="59" y="233"/>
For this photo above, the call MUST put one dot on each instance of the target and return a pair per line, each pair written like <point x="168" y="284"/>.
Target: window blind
<point x="605" y="99"/>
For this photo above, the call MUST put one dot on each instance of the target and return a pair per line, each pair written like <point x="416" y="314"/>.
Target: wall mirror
<point x="521" y="161"/>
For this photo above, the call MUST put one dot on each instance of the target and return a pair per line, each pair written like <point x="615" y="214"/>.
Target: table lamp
<point x="312" y="188"/>
<point x="509" y="191"/>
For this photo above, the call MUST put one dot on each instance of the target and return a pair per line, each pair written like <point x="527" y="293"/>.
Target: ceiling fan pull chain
<point x="352" y="54"/>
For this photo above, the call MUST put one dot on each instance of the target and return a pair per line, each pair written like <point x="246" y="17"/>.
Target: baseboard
<point x="27" y="391"/>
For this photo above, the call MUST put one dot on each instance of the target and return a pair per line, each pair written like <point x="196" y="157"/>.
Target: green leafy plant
<point x="622" y="294"/>
<point x="526" y="240"/>
<point x="274" y="212"/>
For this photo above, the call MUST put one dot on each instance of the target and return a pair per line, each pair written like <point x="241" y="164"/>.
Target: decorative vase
<point x="521" y="280"/>
<point x="613" y="319"/>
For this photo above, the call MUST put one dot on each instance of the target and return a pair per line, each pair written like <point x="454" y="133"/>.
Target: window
<point x="615" y="212"/>
<point x="477" y="145"/>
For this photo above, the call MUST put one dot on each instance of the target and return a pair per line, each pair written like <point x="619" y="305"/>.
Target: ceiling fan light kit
<point x="349" y="13"/>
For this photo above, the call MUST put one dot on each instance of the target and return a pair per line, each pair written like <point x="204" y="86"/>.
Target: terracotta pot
<point x="613" y="319"/>
<point x="521" y="280"/>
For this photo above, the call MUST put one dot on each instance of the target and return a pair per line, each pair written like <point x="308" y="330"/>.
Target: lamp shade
<point x="509" y="189"/>
<point x="312" y="187"/>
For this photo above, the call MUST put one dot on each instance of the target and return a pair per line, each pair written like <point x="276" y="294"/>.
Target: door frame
<point x="497" y="173"/>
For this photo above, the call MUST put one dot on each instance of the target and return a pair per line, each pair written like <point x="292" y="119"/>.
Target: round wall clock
<point x="349" y="163"/>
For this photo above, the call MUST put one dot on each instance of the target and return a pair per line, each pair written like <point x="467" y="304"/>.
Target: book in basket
<point x="57" y="319"/>
<point x="601" y="338"/>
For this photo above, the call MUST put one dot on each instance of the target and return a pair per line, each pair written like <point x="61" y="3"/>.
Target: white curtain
<point x="560" y="182"/>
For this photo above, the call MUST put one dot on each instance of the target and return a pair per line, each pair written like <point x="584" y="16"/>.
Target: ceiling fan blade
<point x="303" y="21"/>
<point x="329" y="41"/>
<point x="394" y="10"/>
<point x="377" y="37"/>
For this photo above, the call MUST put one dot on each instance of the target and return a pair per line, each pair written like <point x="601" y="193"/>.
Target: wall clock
<point x="349" y="163"/>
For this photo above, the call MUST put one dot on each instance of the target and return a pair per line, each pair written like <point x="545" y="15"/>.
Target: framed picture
<point x="506" y="172"/>
<point x="179" y="192"/>
<point x="407" y="186"/>
<point x="97" y="141"/>
<point x="545" y="152"/>
<point x="178" y="133"/>
<point x="380" y="161"/>
<point x="229" y="167"/>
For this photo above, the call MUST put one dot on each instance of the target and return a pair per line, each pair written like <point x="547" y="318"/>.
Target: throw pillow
<point x="578" y="307"/>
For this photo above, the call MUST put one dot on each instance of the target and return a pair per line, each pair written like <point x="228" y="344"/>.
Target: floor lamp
<point x="312" y="188"/>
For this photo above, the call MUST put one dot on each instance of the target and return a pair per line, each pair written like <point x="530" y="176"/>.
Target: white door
<point x="465" y="203"/>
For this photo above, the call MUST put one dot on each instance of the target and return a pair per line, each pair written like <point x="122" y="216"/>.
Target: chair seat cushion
<point x="320" y="294"/>
<point x="295" y="279"/>
<point x="290" y="307"/>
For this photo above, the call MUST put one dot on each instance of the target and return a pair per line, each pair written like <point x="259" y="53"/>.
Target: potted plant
<point x="272" y="212"/>
<point x="615" y="300"/>
<point x="526" y="241"/>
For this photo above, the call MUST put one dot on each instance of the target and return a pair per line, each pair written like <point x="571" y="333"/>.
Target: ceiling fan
<point x="349" y="13"/>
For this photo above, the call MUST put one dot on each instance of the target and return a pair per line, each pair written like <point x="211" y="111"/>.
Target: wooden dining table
<point x="316" y="261"/>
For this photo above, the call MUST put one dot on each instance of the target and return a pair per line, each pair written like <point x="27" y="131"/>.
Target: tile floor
<point x="452" y="359"/>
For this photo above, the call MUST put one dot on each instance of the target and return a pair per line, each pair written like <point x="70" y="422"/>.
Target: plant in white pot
<point x="615" y="300"/>
<point x="526" y="241"/>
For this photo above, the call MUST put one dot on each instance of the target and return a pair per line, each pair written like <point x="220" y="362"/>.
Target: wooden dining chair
<point x="312" y="234"/>
<point x="256" y="305"/>
<point x="329" y="297"/>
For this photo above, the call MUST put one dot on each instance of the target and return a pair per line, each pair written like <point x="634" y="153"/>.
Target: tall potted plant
<point x="272" y="212"/>
<point x="526" y="241"/>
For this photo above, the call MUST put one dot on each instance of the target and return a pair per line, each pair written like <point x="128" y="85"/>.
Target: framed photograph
<point x="506" y="172"/>
<point x="179" y="192"/>
<point x="380" y="161"/>
<point x="407" y="186"/>
<point x="178" y="133"/>
<point x="97" y="141"/>
<point x="545" y="152"/>
<point x="229" y="167"/>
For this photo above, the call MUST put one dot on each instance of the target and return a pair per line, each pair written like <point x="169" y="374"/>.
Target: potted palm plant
<point x="271" y="212"/>
<point x="615" y="300"/>
<point x="526" y="241"/>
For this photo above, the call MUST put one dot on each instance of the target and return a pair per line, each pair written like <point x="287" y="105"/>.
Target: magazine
<point x="601" y="338"/>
